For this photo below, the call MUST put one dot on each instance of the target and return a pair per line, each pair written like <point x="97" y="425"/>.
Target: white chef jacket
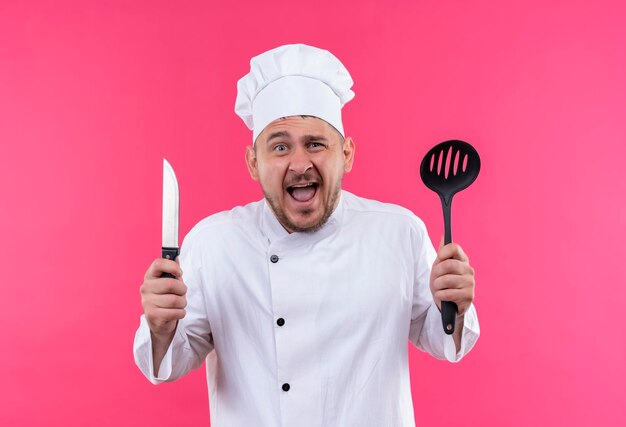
<point x="307" y="329"/>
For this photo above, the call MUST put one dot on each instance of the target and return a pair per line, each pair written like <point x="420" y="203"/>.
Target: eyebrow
<point x="306" y="138"/>
<point x="315" y="138"/>
<point x="278" y="134"/>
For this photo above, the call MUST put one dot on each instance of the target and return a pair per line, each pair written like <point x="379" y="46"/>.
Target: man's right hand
<point x="164" y="301"/>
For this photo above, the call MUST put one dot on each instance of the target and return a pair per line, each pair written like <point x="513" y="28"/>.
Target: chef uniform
<point x="305" y="329"/>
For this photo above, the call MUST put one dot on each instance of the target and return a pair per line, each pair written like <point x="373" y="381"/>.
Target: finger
<point x="451" y="266"/>
<point x="168" y="301"/>
<point x="452" y="250"/>
<point x="162" y="265"/>
<point x="163" y="285"/>
<point x="452" y="281"/>
<point x="164" y="308"/>
<point x="461" y="297"/>
<point x="437" y="258"/>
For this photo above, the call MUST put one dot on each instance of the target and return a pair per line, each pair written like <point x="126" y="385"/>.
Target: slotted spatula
<point x="448" y="168"/>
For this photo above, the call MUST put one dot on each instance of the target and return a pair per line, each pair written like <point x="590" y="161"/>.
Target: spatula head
<point x="449" y="167"/>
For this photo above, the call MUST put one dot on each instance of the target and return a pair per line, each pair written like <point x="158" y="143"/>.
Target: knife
<point x="169" y="243"/>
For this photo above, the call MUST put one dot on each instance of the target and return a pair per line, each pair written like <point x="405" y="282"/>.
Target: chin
<point x="304" y="220"/>
<point x="304" y="224"/>
<point x="308" y="224"/>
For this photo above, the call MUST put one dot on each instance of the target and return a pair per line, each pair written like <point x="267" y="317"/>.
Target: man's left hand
<point x="452" y="278"/>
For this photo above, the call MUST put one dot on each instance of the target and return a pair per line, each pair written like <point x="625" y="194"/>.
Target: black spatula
<point x="448" y="168"/>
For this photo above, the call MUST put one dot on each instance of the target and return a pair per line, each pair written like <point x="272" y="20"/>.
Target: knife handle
<point x="169" y="253"/>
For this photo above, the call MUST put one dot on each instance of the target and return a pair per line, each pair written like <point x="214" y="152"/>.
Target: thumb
<point x="441" y="245"/>
<point x="179" y="267"/>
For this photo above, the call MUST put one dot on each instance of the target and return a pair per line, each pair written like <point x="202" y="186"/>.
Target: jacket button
<point x="280" y="322"/>
<point x="274" y="258"/>
<point x="286" y="387"/>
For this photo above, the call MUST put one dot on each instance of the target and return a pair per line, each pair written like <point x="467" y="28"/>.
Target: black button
<point x="274" y="258"/>
<point x="280" y="322"/>
<point x="286" y="387"/>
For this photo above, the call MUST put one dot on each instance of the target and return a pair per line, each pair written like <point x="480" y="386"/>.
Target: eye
<point x="316" y="146"/>
<point x="280" y="147"/>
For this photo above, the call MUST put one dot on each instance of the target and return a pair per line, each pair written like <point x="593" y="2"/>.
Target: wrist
<point x="163" y="336"/>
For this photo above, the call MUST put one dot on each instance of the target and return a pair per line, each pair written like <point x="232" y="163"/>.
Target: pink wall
<point x="94" y="94"/>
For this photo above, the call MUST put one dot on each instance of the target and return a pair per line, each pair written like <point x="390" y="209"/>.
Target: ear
<point x="348" y="154"/>
<point x="251" y="162"/>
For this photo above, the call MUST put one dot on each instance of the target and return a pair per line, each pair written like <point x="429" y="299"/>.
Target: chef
<point x="302" y="303"/>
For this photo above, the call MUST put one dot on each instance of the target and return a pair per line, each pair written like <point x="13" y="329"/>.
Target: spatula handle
<point x="448" y="308"/>
<point x="448" y="316"/>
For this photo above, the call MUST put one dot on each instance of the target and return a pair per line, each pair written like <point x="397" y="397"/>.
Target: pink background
<point x="94" y="94"/>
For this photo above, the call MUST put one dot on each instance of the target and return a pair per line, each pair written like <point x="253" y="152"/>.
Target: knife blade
<point x="169" y="242"/>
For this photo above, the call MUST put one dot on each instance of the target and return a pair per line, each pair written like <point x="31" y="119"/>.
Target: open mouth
<point x="303" y="192"/>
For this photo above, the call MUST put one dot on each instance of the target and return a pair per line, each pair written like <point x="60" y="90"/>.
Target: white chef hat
<point x="293" y="80"/>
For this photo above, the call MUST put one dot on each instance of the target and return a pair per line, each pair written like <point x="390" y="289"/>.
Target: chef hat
<point x="293" y="80"/>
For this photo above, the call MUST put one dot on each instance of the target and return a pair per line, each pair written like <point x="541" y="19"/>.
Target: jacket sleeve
<point x="426" y="330"/>
<point x="192" y="340"/>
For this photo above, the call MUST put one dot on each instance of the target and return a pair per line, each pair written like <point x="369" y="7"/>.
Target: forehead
<point x="298" y="125"/>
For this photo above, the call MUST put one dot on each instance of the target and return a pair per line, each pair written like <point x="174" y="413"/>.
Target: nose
<point x="300" y="161"/>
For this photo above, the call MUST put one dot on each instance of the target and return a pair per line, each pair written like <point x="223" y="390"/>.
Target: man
<point x="303" y="303"/>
